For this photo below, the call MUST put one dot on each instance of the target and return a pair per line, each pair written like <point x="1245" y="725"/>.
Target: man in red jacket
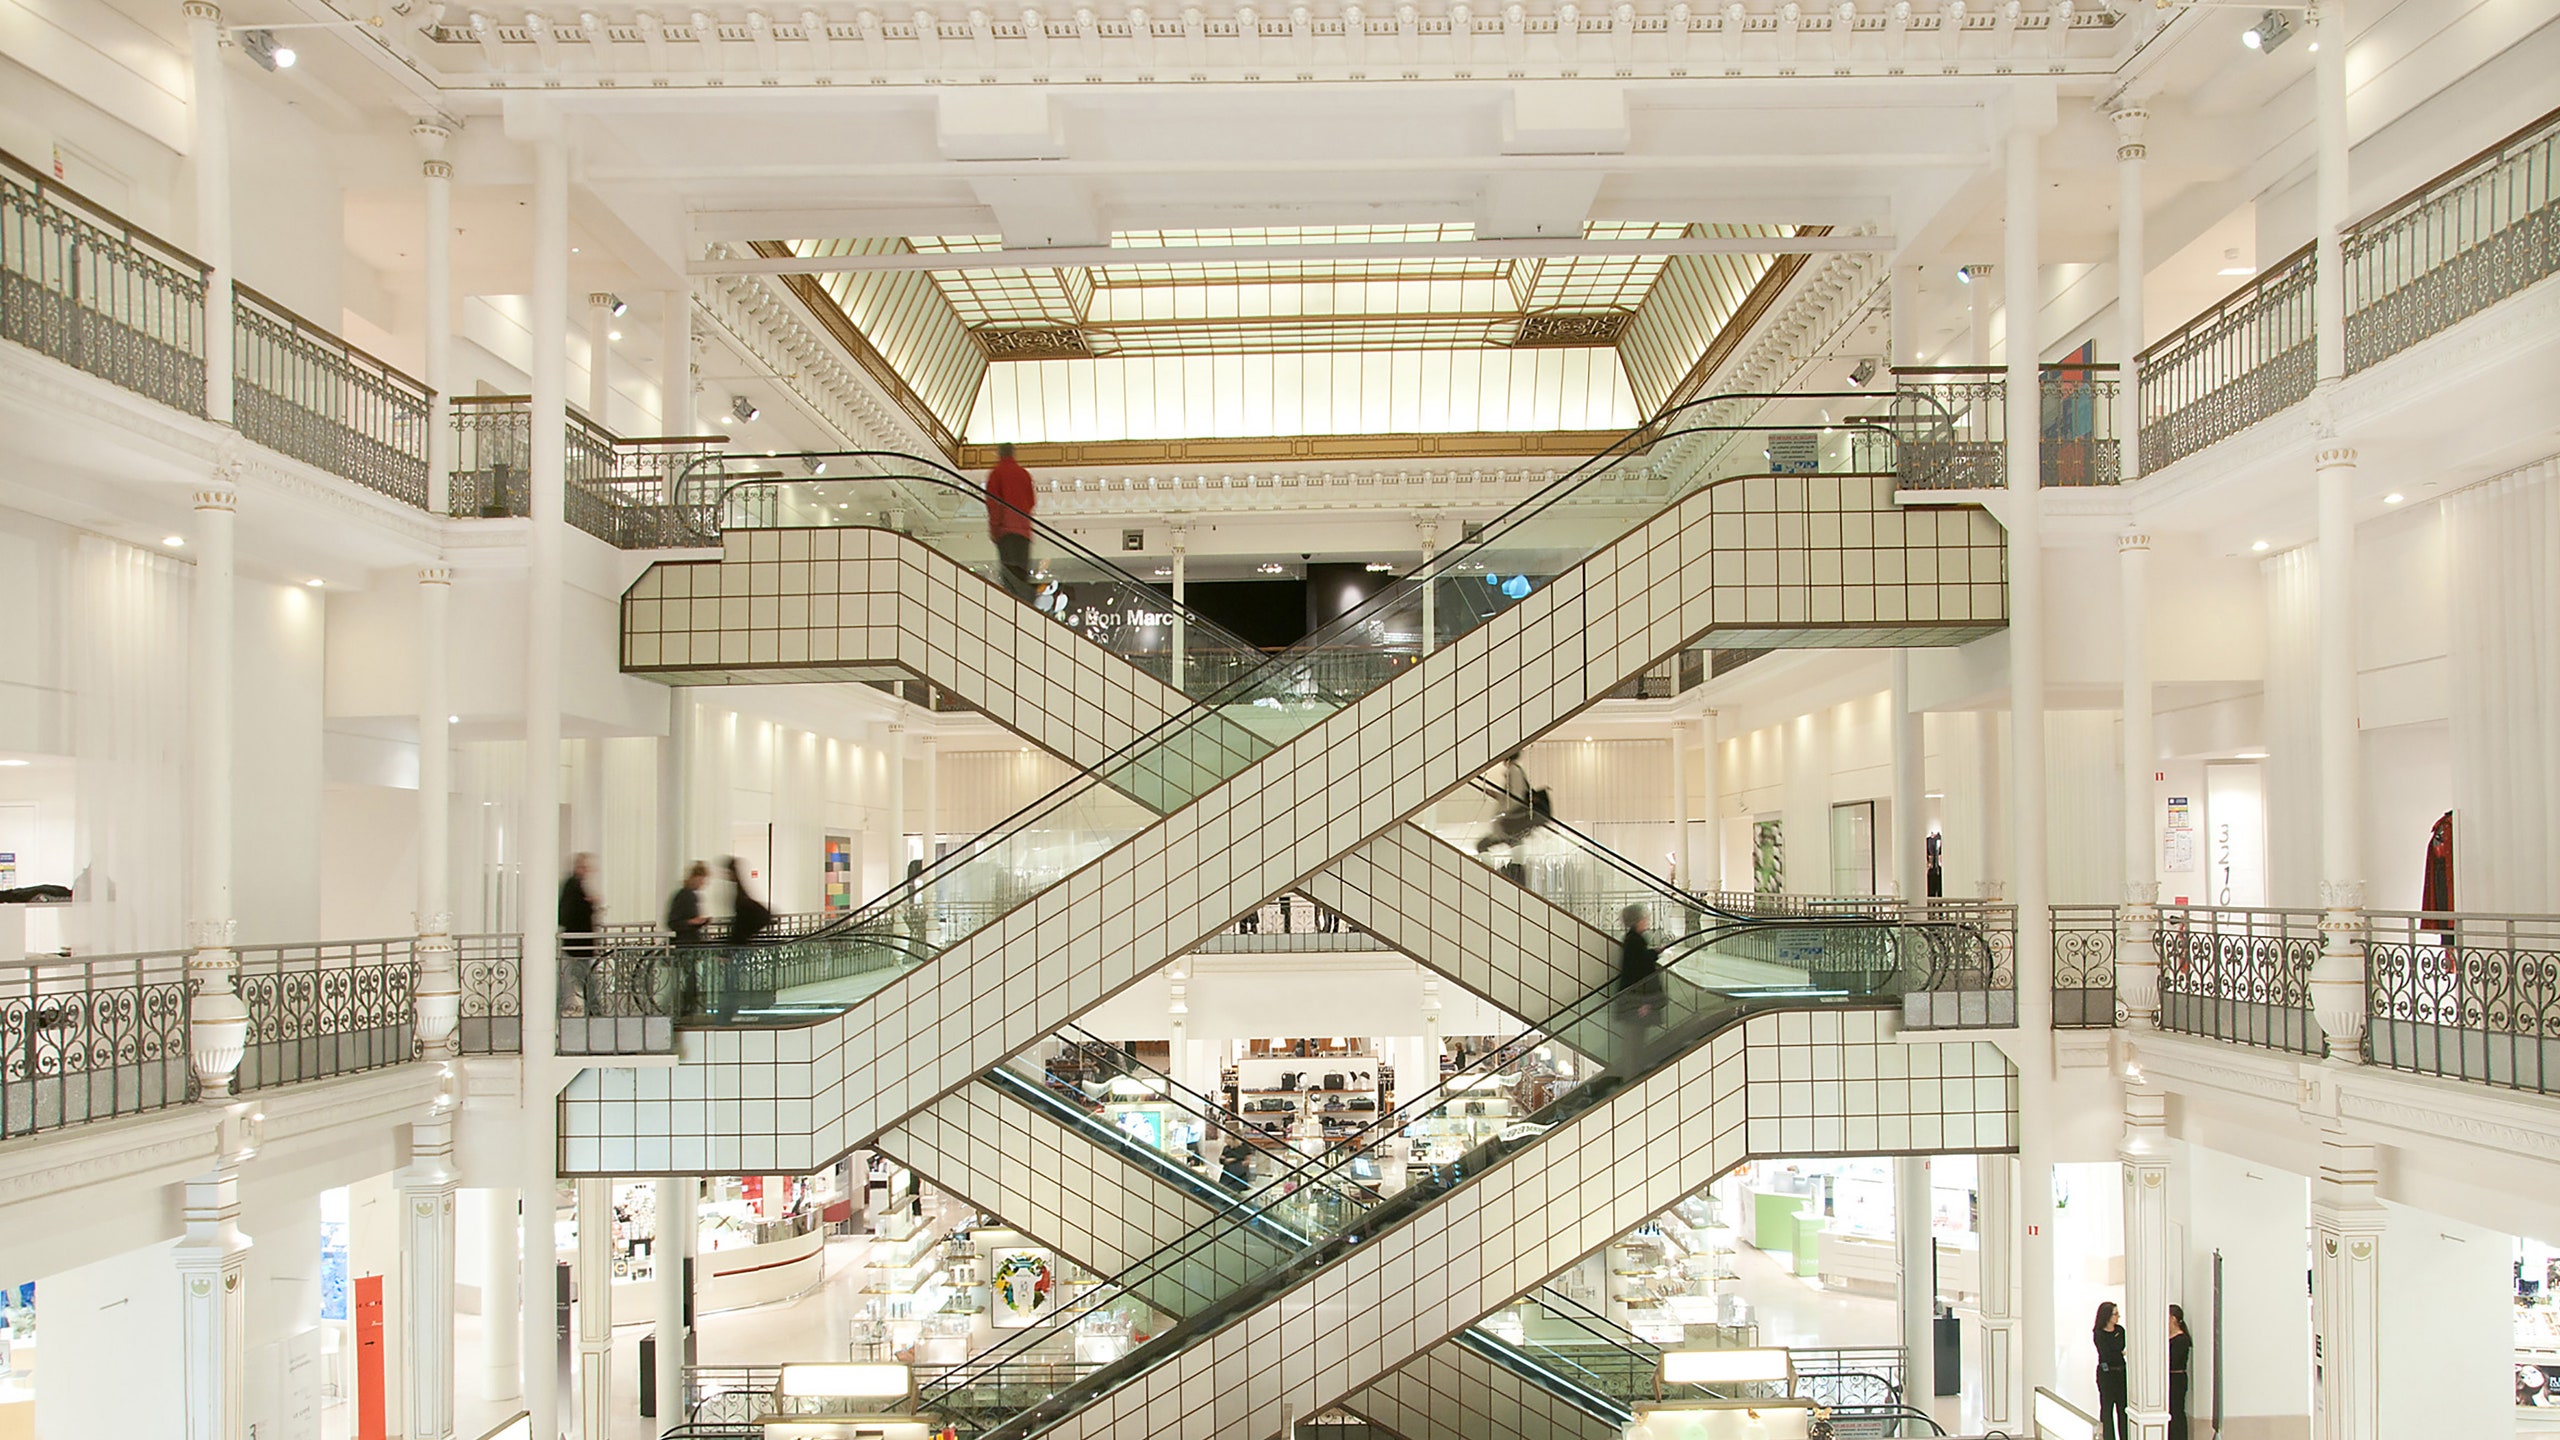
<point x="1009" y="502"/>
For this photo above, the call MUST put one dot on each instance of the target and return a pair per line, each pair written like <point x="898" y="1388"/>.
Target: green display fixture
<point x="1809" y="1228"/>
<point x="1773" y="1221"/>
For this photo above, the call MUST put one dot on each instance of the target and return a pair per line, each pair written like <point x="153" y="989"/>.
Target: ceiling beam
<point x="1558" y="249"/>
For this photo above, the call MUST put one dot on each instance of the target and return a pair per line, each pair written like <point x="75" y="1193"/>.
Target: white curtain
<point x="128" y="671"/>
<point x="2503" y="555"/>
<point x="2293" y="726"/>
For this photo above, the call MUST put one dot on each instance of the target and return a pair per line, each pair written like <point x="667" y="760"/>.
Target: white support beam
<point x="1555" y="249"/>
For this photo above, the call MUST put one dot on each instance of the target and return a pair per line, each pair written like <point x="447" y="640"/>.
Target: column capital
<point x="435" y="575"/>
<point x="432" y="135"/>
<point x="599" y="299"/>
<point x="204" y="10"/>
<point x="2129" y="125"/>
<point x="2332" y="454"/>
<point x="2133" y="540"/>
<point x="218" y="494"/>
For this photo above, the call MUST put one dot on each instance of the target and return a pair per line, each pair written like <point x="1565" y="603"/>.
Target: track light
<point x="619" y="306"/>
<point x="1964" y="274"/>
<point x="1858" y="377"/>
<point x="743" y="408"/>
<point x="2272" y="30"/>
<point x="817" y="467"/>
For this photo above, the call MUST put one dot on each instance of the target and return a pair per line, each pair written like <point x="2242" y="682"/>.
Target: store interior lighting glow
<point x="2394" y="498"/>
<point x="174" y="542"/>
<point x="2258" y="546"/>
<point x="1765" y="1364"/>
<point x="853" y="1381"/>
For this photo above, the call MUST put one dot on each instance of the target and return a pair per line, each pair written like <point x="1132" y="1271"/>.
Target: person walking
<point x="691" y="927"/>
<point x="2181" y="1349"/>
<point x="2109" y="1338"/>
<point x="579" y="944"/>
<point x="1638" y="1002"/>
<point x="1009" y="504"/>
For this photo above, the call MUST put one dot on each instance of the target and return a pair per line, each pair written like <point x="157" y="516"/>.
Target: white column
<point x="1910" y="760"/>
<point x="1428" y="1076"/>
<point x="2346" y="1294"/>
<point x="213" y="1315"/>
<point x="213" y="199"/>
<point x="2137" y="947"/>
<point x="1430" y="594"/>
<point x="541" y="822"/>
<point x="2131" y="266"/>
<point x="2145" y="1153"/>
<point x="671" y="1250"/>
<point x="2034" y="959"/>
<point x="2337" y="977"/>
<point x="599" y="355"/>
<point x="427" y="1276"/>
<point x="1902" y="313"/>
<point x="1680" y="808"/>
<point x="2329" y="189"/>
<point x="437" y="266"/>
<point x="1181" y="622"/>
<point x="675" y="366"/>
<point x="1978" y="309"/>
<point x="929" y="752"/>
<point x="896" y="802"/>
<point x="1916" y="1251"/>
<point x="217" y="1023"/>
<point x="501" y="1312"/>
<point x="1985" y="807"/>
<point x="594" y="1297"/>
<point x="1713" y="879"/>
<point x="1996" y="1187"/>
<point x="439" y="994"/>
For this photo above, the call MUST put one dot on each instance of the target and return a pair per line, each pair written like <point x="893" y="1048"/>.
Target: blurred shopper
<point x="579" y="946"/>
<point x="691" y="926"/>
<point x="1522" y="808"/>
<point x="2181" y="1349"/>
<point x="2108" y="1337"/>
<point x="1639" y="999"/>
<point x="1009" y="504"/>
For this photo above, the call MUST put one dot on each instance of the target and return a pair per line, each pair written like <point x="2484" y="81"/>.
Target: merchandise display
<point x="2537" y="1331"/>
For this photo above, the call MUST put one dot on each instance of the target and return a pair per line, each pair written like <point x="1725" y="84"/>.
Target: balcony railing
<point x="329" y="1009"/>
<point x="2473" y="236"/>
<point x="1951" y="427"/>
<point x="303" y="392"/>
<point x="2240" y="974"/>
<point x="2469" y="997"/>
<point x="492" y="981"/>
<point x="81" y="285"/>
<point x="2084" y="967"/>
<point x="91" y="1038"/>
<point x="625" y="492"/>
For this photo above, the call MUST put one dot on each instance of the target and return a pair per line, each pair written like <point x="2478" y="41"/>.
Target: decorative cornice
<point x="771" y="331"/>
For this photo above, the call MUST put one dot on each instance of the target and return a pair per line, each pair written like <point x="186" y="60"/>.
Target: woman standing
<point x="2180" y="1346"/>
<point x="2109" y="1338"/>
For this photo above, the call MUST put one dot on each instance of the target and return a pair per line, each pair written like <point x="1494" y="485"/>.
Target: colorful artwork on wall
<point x="839" y="874"/>
<point x="1768" y="857"/>
<point x="1022" y="1283"/>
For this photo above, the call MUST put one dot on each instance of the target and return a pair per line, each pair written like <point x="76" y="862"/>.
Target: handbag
<point x="1541" y="806"/>
<point x="1333" y="1080"/>
<point x="1288" y="1079"/>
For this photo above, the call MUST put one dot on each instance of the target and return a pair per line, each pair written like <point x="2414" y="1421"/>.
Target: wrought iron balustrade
<point x="80" y="284"/>
<point x="2239" y="362"/>
<point x="492" y="979"/>
<point x="91" y="1037"/>
<point x="2084" y="967"/>
<point x="2240" y="974"/>
<point x="2471" y="237"/>
<point x="326" y="1009"/>
<point x="2469" y="997"/>
<point x="301" y="391"/>
<point x="1951" y="425"/>
<point x="628" y="492"/>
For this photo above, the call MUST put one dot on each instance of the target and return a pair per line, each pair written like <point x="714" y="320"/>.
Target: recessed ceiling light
<point x="453" y="719"/>
<point x="13" y="764"/>
<point x="2258" y="545"/>
<point x="315" y="582"/>
<point x="2250" y="755"/>
<point x="2394" y="498"/>
<point x="174" y="542"/>
<point x="613" y="334"/>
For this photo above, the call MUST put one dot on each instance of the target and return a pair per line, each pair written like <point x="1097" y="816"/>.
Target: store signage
<point x="1795" y="452"/>
<point x="2178" y="838"/>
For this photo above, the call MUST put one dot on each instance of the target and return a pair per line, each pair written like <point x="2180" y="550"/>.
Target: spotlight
<point x="2272" y="30"/>
<point x="285" y="57"/>
<point x="613" y="334"/>
<point x="1964" y="274"/>
<point x="618" y="307"/>
<point x="2394" y="498"/>
<point x="1380" y="567"/>
<point x="1271" y="568"/>
<point x="174" y="542"/>
<point x="817" y="467"/>
<point x="261" y="46"/>
<point x="743" y="408"/>
<point x="315" y="582"/>
<point x="1865" y="372"/>
<point x="2258" y="546"/>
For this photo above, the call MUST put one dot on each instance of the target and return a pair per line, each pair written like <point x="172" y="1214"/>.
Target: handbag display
<point x="1333" y="1080"/>
<point x="1289" y="1079"/>
<point x="1364" y="1102"/>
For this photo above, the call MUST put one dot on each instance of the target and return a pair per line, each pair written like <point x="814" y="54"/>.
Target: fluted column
<point x="427" y="1275"/>
<point x="2346" y="1294"/>
<point x="1181" y="620"/>
<point x="217" y="1022"/>
<point x="595" y="1306"/>
<point x="437" y="278"/>
<point x="2137" y="925"/>
<point x="2131" y="266"/>
<point x="896" y="801"/>
<point x="1430" y="587"/>
<point x="439" y="994"/>
<point x="599" y="356"/>
<point x="212" y="110"/>
<point x="210" y="1259"/>
<point x="2337" y="977"/>
<point x="2144" y="1152"/>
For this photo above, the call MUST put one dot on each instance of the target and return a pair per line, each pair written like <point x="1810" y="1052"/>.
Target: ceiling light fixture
<point x="1964" y="274"/>
<point x="1268" y="567"/>
<point x="14" y="764"/>
<point x="1865" y="371"/>
<point x="2272" y="30"/>
<point x="174" y="542"/>
<point x="2233" y="265"/>
<point x="2394" y="498"/>
<point x="1380" y="567"/>
<point x="818" y="467"/>
<point x="453" y="719"/>
<point x="315" y="582"/>
<point x="613" y="334"/>
<point x="618" y="307"/>
<point x="743" y="408"/>
<point x="2260" y="545"/>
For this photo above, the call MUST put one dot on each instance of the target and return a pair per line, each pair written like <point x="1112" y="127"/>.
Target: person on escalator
<point x="1009" y="502"/>
<point x="1639" y="1000"/>
<point x="1235" y="1165"/>
<point x="748" y="920"/>
<point x="1524" y="807"/>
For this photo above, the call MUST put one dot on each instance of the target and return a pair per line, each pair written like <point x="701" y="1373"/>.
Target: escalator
<point x="1083" y="893"/>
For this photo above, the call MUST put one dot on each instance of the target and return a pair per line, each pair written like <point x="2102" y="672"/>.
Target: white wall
<point x="2258" y="1217"/>
<point x="2448" y="1326"/>
<point x="276" y="770"/>
<point x="111" y="1347"/>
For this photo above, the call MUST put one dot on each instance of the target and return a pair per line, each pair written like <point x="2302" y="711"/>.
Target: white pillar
<point x="1916" y="1251"/>
<point x="1985" y="808"/>
<point x="1978" y="309"/>
<point x="2137" y="947"/>
<point x="439" y="993"/>
<point x="427" y="1276"/>
<point x="1181" y="618"/>
<point x="1680" y="807"/>
<point x="213" y="199"/>
<point x="594" y="1285"/>
<point x="1996" y="1188"/>
<point x="2034" y="958"/>
<point x="1430" y="592"/>
<point x="213" y="1318"/>
<point x="599" y="356"/>
<point x="2337" y="977"/>
<point x="217" y="1023"/>
<point x="672" y="1251"/>
<point x="2329" y="189"/>
<point x="2346" y="1295"/>
<point x="1713" y="879"/>
<point x="501" y="1312"/>
<point x="541" y="822"/>
<point x="1902" y="314"/>
<point x="2145" y="1153"/>
<point x="2131" y="266"/>
<point x="896" y="802"/>
<point x="675" y="366"/>
<point x="437" y="267"/>
<point x="929" y="749"/>
<point x="1910" y="761"/>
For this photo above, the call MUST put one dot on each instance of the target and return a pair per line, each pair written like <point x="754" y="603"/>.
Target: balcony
<point x="1951" y="427"/>
<point x="631" y="493"/>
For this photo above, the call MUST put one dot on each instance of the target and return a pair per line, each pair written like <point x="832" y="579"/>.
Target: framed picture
<point x="1021" y="1285"/>
<point x="839" y="874"/>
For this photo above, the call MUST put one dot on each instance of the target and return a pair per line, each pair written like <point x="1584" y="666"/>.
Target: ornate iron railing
<point x="2240" y="974"/>
<point x="626" y="492"/>
<point x="2084" y="967"/>
<point x="81" y="285"/>
<point x="2232" y="366"/>
<point x="304" y="392"/>
<point x="320" y="1010"/>
<point x="2462" y="242"/>
<point x="1951" y="427"/>
<point x="2470" y="997"/>
<point x="492" y="980"/>
<point x="91" y="1038"/>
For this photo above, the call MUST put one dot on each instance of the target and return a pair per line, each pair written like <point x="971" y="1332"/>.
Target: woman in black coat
<point x="2109" y="1338"/>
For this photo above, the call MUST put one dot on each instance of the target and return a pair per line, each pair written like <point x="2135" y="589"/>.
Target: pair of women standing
<point x="2109" y="1338"/>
